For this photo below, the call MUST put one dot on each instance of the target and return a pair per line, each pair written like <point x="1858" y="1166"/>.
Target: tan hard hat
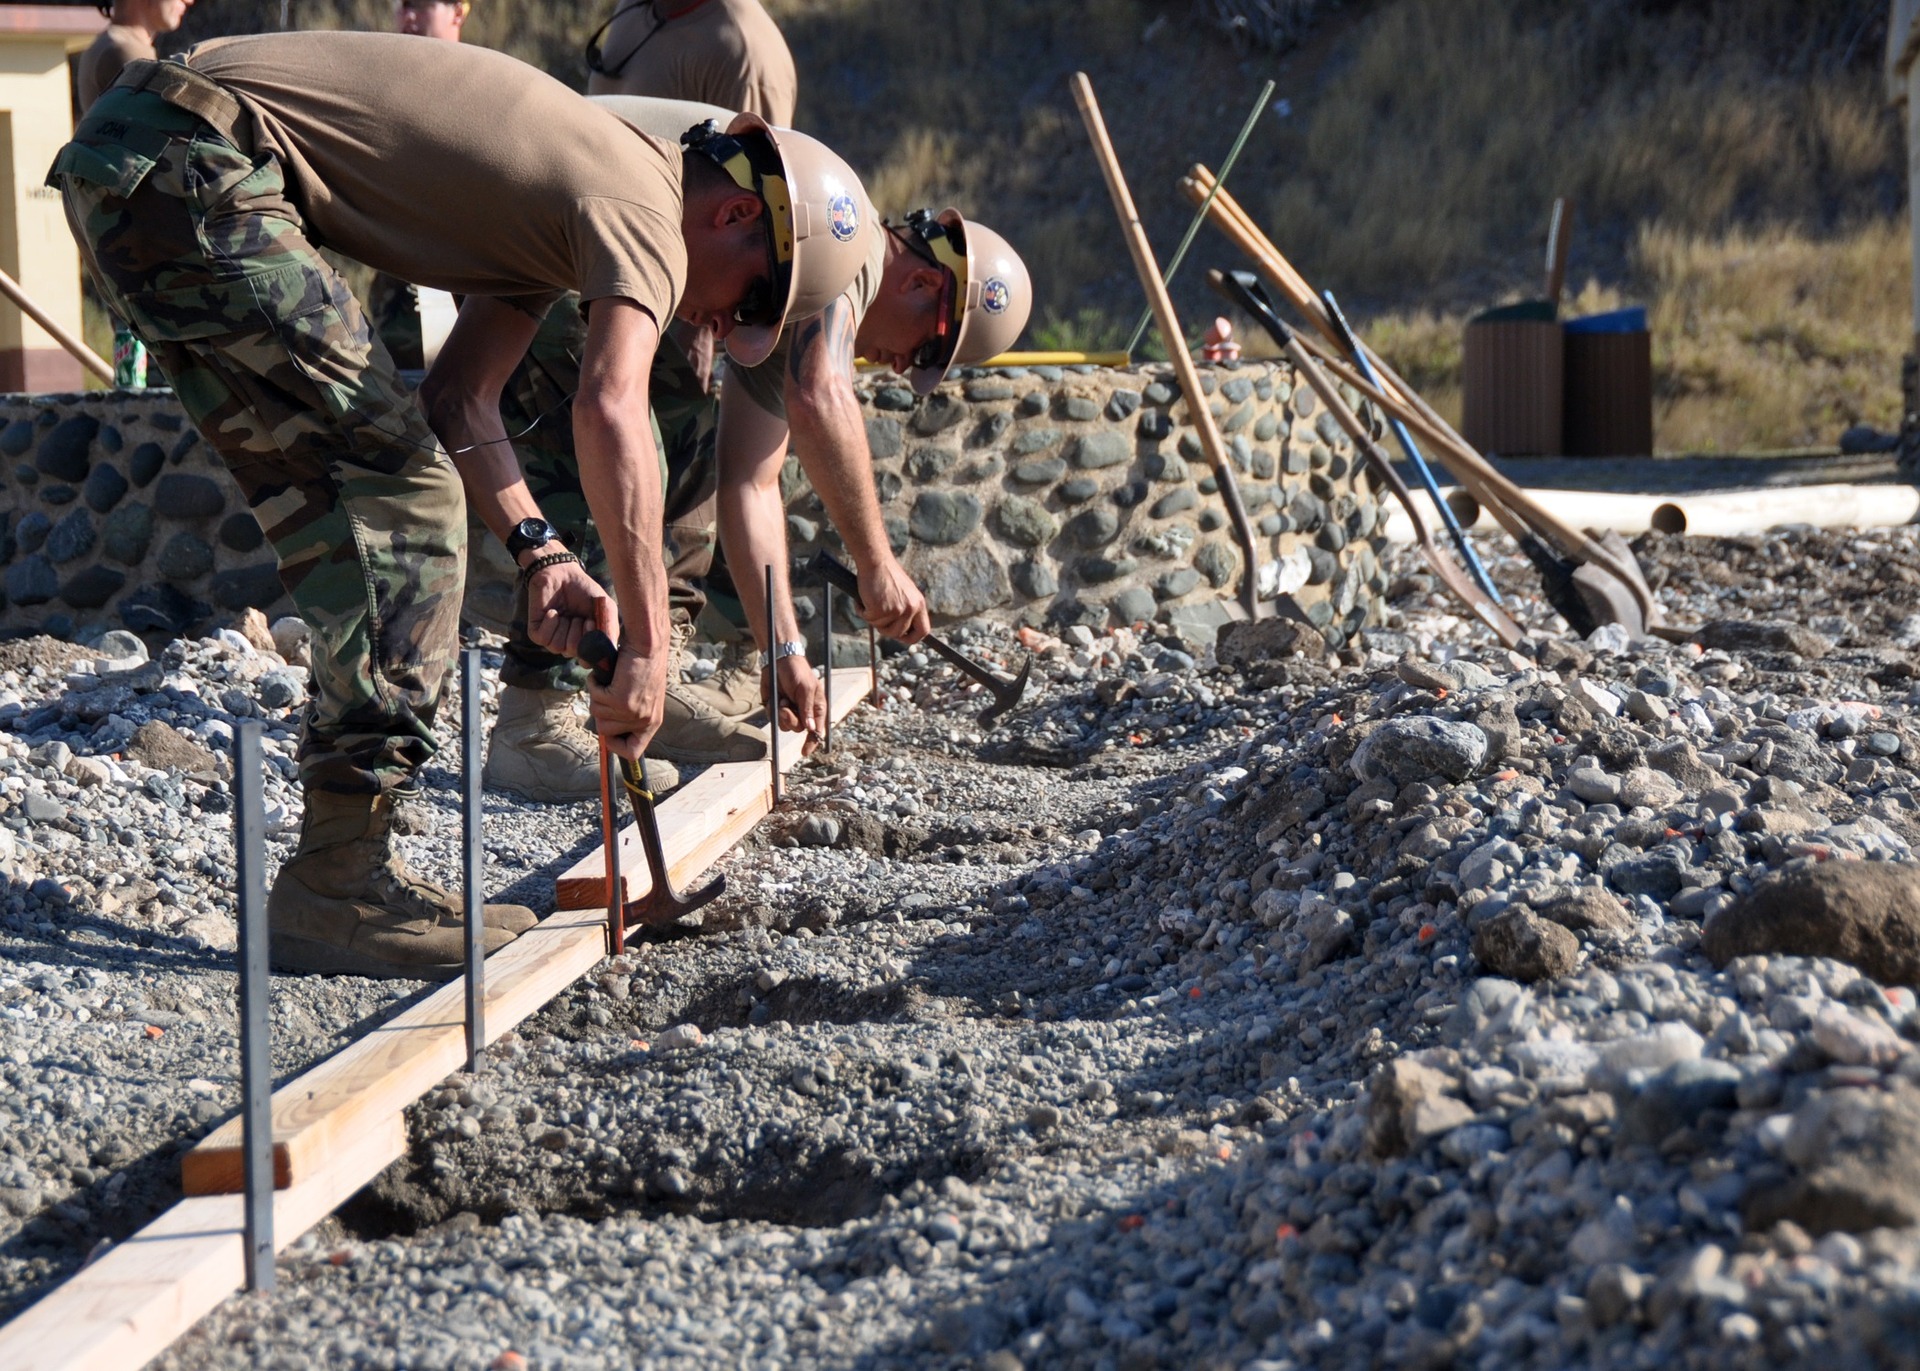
<point x="992" y="296"/>
<point x="820" y="224"/>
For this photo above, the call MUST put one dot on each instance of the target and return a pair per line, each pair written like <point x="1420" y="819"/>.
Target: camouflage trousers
<point x="196" y="244"/>
<point x="535" y="404"/>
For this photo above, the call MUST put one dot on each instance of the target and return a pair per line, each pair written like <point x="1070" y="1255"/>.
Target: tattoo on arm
<point x="830" y="334"/>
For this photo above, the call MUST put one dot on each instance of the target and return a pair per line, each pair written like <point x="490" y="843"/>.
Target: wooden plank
<point x="320" y="1111"/>
<point x="127" y="1307"/>
<point x="379" y="1075"/>
<point x="703" y="819"/>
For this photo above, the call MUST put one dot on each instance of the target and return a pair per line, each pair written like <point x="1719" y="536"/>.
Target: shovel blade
<point x="1607" y="598"/>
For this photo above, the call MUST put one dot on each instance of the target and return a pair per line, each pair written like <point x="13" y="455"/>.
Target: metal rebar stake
<point x="773" y="703"/>
<point x="475" y="863"/>
<point x="873" y="667"/>
<point x="826" y="588"/>
<point x="256" y="1069"/>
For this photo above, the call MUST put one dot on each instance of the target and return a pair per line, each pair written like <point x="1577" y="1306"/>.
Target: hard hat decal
<point x="843" y="217"/>
<point x="995" y="296"/>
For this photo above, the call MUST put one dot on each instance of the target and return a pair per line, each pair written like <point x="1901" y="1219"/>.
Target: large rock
<point x="180" y="496"/>
<point x="1102" y="449"/>
<point x="944" y="516"/>
<point x="1408" y="1106"/>
<point x="1414" y="746"/>
<point x="184" y="557"/>
<point x="105" y="485"/>
<point x="258" y="586"/>
<point x="1244" y="643"/>
<point x="127" y="534"/>
<point x="1747" y="635"/>
<point x="1024" y="522"/>
<point x="66" y="452"/>
<point x="92" y="587"/>
<point x="73" y="537"/>
<point x="1522" y="946"/>
<point x="1866" y="914"/>
<point x="1858" y="1159"/>
<point x="32" y="581"/>
<point x="961" y="584"/>
<point x="161" y="609"/>
<point x="165" y="748"/>
<point x="1586" y="909"/>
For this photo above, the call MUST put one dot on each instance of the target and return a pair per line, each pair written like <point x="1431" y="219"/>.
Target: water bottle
<point x="129" y="359"/>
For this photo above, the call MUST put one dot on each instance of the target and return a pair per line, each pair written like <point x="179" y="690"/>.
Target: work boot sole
<point x="695" y="756"/>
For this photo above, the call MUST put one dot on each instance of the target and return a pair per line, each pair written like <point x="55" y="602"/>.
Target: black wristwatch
<point x="529" y="534"/>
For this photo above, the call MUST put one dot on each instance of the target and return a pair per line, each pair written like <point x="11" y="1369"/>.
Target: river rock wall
<point x="1045" y="496"/>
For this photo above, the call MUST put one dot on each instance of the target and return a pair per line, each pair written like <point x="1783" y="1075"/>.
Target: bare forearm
<point x="830" y="439"/>
<point x="620" y="477"/>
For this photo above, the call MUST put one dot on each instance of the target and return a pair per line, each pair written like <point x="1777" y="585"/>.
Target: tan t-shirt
<point x="766" y="384"/>
<point x="460" y="168"/>
<point x="100" y="64"/>
<point x="722" y="52"/>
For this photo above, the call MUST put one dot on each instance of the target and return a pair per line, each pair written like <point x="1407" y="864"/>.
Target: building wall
<point x="36" y="248"/>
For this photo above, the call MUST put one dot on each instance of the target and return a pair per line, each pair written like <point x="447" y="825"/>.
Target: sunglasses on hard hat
<point x="938" y="346"/>
<point x="757" y="308"/>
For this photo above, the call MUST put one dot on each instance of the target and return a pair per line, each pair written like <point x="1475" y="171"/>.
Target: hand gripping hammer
<point x="1006" y="694"/>
<point x="663" y="904"/>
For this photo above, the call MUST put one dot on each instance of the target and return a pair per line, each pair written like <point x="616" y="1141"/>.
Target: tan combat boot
<point x="732" y="692"/>
<point x="541" y="749"/>
<point x="693" y="731"/>
<point x="345" y="902"/>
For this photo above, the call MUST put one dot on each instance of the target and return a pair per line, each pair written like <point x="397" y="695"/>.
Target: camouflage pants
<point x="195" y="243"/>
<point x="535" y="402"/>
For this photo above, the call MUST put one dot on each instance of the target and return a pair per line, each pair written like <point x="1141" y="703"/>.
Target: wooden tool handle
<point x="1149" y="272"/>
<point x="1451" y="450"/>
<point x="86" y="356"/>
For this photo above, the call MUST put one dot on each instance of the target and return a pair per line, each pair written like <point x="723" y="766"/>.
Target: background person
<point x="132" y="27"/>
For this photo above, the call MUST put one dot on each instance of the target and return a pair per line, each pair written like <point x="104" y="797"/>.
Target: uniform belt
<point x="186" y="89"/>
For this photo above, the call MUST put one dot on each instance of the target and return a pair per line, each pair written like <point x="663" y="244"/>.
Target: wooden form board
<point x="375" y="1077"/>
<point x="128" y="1307"/>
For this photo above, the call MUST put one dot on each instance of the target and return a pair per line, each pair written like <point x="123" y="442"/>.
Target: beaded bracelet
<point x="551" y="559"/>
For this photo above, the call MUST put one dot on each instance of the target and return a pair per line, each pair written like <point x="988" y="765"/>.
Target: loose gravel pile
<point x="1241" y="1007"/>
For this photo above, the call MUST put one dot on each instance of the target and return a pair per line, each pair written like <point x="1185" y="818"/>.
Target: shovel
<point x="1243" y="289"/>
<point x="1591" y="581"/>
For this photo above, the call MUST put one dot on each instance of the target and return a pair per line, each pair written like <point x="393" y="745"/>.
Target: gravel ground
<point x="1430" y="1006"/>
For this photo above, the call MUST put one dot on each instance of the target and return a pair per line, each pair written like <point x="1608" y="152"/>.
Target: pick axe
<point x="1006" y="694"/>
<point x="663" y="904"/>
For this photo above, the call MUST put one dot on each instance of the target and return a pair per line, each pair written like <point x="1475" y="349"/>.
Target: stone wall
<point x="1041" y="496"/>
<point x="1057" y="496"/>
<point x="114" y="513"/>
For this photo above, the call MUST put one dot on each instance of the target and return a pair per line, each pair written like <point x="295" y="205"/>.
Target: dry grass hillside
<point x="1731" y="160"/>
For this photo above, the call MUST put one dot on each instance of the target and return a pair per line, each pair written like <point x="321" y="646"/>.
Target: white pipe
<point x="1710" y="513"/>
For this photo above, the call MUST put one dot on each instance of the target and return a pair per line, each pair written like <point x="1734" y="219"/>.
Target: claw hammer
<point x="663" y="904"/>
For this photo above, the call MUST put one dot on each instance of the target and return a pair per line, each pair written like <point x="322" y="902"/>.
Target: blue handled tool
<point x="1405" y="439"/>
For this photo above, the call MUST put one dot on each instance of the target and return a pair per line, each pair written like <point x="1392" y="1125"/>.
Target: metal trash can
<point x="1608" y="372"/>
<point x="1514" y="380"/>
